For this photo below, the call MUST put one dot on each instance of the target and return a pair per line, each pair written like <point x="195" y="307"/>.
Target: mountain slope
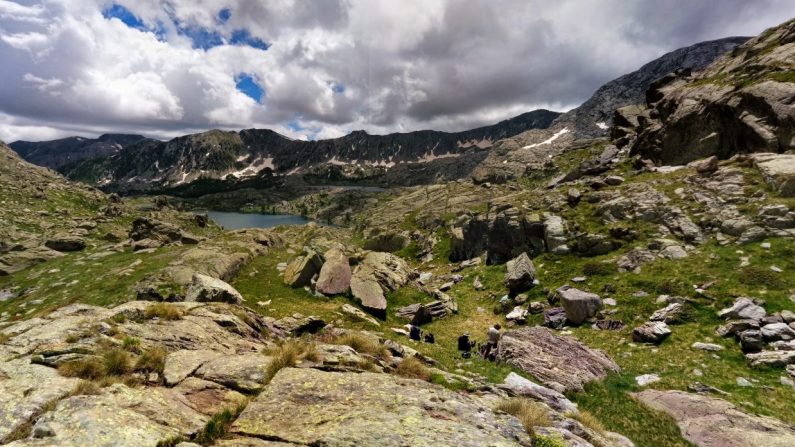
<point x="216" y="154"/>
<point x="594" y="116"/>
<point x="57" y="153"/>
<point x="742" y="103"/>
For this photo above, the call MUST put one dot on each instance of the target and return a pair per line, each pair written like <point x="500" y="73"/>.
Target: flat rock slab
<point x="118" y="417"/>
<point x="312" y="407"/>
<point x="710" y="422"/>
<point x="25" y="389"/>
<point x="561" y="363"/>
<point x="243" y="372"/>
<point x="182" y="363"/>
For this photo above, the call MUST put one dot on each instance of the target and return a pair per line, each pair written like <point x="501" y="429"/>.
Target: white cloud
<point x="404" y="65"/>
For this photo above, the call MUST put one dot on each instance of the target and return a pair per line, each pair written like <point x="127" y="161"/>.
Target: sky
<point x="320" y="69"/>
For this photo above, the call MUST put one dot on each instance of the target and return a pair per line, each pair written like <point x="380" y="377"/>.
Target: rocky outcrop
<point x="502" y="234"/>
<point x="205" y="288"/>
<point x="153" y="233"/>
<point x="710" y="422"/>
<point x="561" y="363"/>
<point x="742" y="103"/>
<point x="372" y="409"/>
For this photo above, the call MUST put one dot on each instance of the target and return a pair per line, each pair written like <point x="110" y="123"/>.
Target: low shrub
<point x="152" y="361"/>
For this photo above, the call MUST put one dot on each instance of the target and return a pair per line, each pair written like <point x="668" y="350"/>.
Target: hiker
<point x="465" y="345"/>
<point x="493" y="337"/>
<point x="415" y="333"/>
<point x="429" y="338"/>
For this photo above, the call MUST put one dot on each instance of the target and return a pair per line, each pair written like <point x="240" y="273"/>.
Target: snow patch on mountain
<point x="549" y="140"/>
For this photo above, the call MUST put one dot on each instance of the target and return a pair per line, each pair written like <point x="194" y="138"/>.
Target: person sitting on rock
<point x="465" y="345"/>
<point x="493" y="337"/>
<point x="415" y="333"/>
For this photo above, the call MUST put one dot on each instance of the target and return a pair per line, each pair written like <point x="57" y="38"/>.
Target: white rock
<point x="707" y="346"/>
<point x="647" y="379"/>
<point x="742" y="381"/>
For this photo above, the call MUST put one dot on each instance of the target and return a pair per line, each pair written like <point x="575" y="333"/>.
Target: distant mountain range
<point x="132" y="163"/>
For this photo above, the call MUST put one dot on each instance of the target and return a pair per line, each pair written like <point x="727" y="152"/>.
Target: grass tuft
<point x="286" y="355"/>
<point x="163" y="311"/>
<point x="88" y="368"/>
<point x="530" y="414"/>
<point x="152" y="360"/>
<point x="117" y="362"/>
<point x="756" y="276"/>
<point x="588" y="420"/>
<point x="363" y="344"/>
<point x="412" y="368"/>
<point x="218" y="425"/>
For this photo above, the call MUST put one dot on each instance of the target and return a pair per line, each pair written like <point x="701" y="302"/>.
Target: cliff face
<point x="59" y="153"/>
<point x="594" y="116"/>
<point x="742" y="103"/>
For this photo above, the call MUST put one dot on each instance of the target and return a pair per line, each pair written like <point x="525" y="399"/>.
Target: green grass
<point x="218" y="426"/>
<point x="617" y="411"/>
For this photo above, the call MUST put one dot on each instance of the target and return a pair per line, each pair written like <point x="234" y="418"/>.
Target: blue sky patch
<point x="124" y="14"/>
<point x="337" y="87"/>
<point x="244" y="37"/>
<point x="224" y="15"/>
<point x="248" y="86"/>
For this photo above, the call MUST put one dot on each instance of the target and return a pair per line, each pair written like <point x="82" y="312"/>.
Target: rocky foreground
<point x="644" y="284"/>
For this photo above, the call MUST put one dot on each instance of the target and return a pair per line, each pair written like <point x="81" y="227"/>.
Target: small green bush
<point x="598" y="269"/>
<point x="756" y="276"/>
<point x="547" y="441"/>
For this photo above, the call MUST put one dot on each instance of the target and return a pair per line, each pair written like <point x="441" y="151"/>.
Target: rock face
<point x="205" y="288"/>
<point x="740" y="104"/>
<point x="372" y="409"/>
<point x="149" y="232"/>
<point x="521" y="274"/>
<point x="502" y="234"/>
<point x="710" y="422"/>
<point x="300" y="271"/>
<point x="629" y="89"/>
<point x="561" y="363"/>
<point x="579" y="305"/>
<point x="335" y="275"/>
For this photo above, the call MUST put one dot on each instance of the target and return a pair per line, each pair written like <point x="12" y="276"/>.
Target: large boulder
<point x="561" y="363"/>
<point x="771" y="358"/>
<point x="388" y="242"/>
<point x="521" y="274"/>
<point x="651" y="332"/>
<point x="711" y="422"/>
<point x="335" y="275"/>
<point x="579" y="305"/>
<point x="743" y="309"/>
<point x="377" y="274"/>
<point x="372" y="409"/>
<point x="205" y="288"/>
<point x="65" y="243"/>
<point x="144" y="228"/>
<point x="301" y="270"/>
<point x="555" y="234"/>
<point x="518" y="385"/>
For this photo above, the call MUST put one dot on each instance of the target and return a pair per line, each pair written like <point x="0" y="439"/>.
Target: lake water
<point x="234" y="221"/>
